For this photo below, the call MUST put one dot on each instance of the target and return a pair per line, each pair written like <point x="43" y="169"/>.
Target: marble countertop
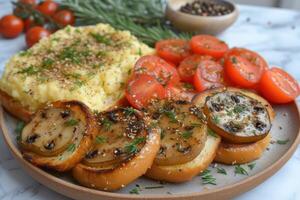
<point x="274" y="33"/>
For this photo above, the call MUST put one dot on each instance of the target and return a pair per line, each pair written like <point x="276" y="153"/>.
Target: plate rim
<point x="224" y="192"/>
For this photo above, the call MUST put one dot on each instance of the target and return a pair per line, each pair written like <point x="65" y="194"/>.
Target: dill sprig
<point x="207" y="178"/>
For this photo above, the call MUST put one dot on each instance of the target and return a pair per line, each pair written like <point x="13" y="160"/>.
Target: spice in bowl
<point x="206" y="8"/>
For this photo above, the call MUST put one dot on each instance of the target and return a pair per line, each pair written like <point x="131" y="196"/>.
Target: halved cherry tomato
<point x="47" y="7"/>
<point x="142" y="89"/>
<point x="208" y="45"/>
<point x="277" y="86"/>
<point x="181" y="91"/>
<point x="209" y="74"/>
<point x="64" y="17"/>
<point x="34" y="35"/>
<point x="11" y="26"/>
<point x="189" y="65"/>
<point x="158" y="68"/>
<point x="173" y="50"/>
<point x="30" y="2"/>
<point x="244" y="68"/>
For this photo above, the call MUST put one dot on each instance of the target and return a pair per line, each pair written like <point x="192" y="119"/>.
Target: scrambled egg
<point x="90" y="64"/>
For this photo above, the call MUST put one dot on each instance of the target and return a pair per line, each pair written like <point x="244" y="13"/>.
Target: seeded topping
<point x="182" y="135"/>
<point x="122" y="134"/>
<point x="238" y="114"/>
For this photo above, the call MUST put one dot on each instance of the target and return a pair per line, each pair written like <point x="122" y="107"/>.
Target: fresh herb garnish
<point x="188" y="86"/>
<point x="106" y="124"/>
<point x="71" y="122"/>
<point x="239" y="109"/>
<point x="129" y="111"/>
<point x="207" y="178"/>
<point x="100" y="38"/>
<point x="240" y="170"/>
<point x="282" y="141"/>
<point x="71" y="54"/>
<point x="47" y="63"/>
<point x="25" y="53"/>
<point x="18" y="130"/>
<point x="234" y="60"/>
<point x="132" y="147"/>
<point x="135" y="190"/>
<point x="101" y="139"/>
<point x="162" y="134"/>
<point x="211" y="133"/>
<point x="31" y="70"/>
<point x="71" y="148"/>
<point x="216" y="119"/>
<point x="186" y="134"/>
<point x="154" y="187"/>
<point x="221" y="170"/>
<point x="251" y="165"/>
<point x="171" y="115"/>
<point x="140" y="52"/>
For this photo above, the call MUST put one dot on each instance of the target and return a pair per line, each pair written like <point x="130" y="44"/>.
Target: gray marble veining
<point x="274" y="33"/>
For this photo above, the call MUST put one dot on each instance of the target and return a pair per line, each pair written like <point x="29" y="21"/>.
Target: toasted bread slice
<point x="59" y="135"/>
<point x="113" y="176"/>
<point x="184" y="172"/>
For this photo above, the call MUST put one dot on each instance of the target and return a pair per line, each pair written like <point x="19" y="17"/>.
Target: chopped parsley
<point x="31" y="70"/>
<point x="282" y="141"/>
<point x="132" y="147"/>
<point x="71" y="54"/>
<point x="207" y="178"/>
<point x="18" y="130"/>
<point x="216" y="119"/>
<point x="100" y="38"/>
<point x="71" y="122"/>
<point x="211" y="133"/>
<point x="129" y="111"/>
<point x="101" y="139"/>
<point x="186" y="134"/>
<point x="171" y="115"/>
<point x="221" y="170"/>
<point x="135" y="190"/>
<point x="240" y="170"/>
<point x="106" y="123"/>
<point x="251" y="165"/>
<point x="71" y="148"/>
<point x="47" y="63"/>
<point x="25" y="53"/>
<point x="239" y="109"/>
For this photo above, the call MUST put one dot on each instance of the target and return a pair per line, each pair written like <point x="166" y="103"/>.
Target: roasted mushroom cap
<point x="183" y="132"/>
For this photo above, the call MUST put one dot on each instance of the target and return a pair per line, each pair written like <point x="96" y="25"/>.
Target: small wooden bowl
<point x="199" y="24"/>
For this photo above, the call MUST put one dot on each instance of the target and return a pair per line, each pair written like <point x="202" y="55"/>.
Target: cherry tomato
<point x="29" y="23"/>
<point x="34" y="35"/>
<point x="47" y="7"/>
<point x="142" y="89"/>
<point x="31" y="2"/>
<point x="64" y="17"/>
<point x="181" y="91"/>
<point x="11" y="26"/>
<point x="244" y="68"/>
<point x="173" y="50"/>
<point x="189" y="65"/>
<point x="277" y="86"/>
<point x="158" y="68"/>
<point x="208" y="45"/>
<point x="209" y="74"/>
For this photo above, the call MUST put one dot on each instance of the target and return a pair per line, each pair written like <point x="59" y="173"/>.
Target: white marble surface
<point x="273" y="33"/>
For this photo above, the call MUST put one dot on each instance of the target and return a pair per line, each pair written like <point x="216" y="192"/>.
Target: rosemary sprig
<point x="221" y="170"/>
<point x="207" y="178"/>
<point x="240" y="170"/>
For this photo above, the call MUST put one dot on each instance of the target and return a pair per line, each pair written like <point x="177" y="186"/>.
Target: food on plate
<point x="47" y="7"/>
<point x="180" y="91"/>
<point x="173" y="50"/>
<point x="35" y="34"/>
<point x="208" y="45"/>
<point x="277" y="86"/>
<point x="186" y="149"/>
<point x="238" y="116"/>
<point x="11" y="26"/>
<point x="59" y="135"/>
<point x="90" y="64"/>
<point x="244" y="67"/>
<point x="124" y="149"/>
<point x="64" y="18"/>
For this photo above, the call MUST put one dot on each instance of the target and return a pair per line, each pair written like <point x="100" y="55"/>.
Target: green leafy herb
<point x="171" y="115"/>
<point x="186" y="134"/>
<point x="71" y="122"/>
<point x="106" y="123"/>
<point x="101" y="139"/>
<point x="154" y="187"/>
<point x="216" y="119"/>
<point x="100" y="38"/>
<point x="47" y="63"/>
<point x="19" y="128"/>
<point x="282" y="141"/>
<point x="239" y="109"/>
<point x="140" y="52"/>
<point x="70" y="54"/>
<point x="196" y="124"/>
<point x="221" y="170"/>
<point x="251" y="165"/>
<point x="211" y="133"/>
<point x="129" y="111"/>
<point x="135" y="190"/>
<point x="25" y="53"/>
<point x="132" y="147"/>
<point x="71" y="148"/>
<point x="31" y="70"/>
<point x="240" y="170"/>
<point x="207" y="178"/>
<point x="188" y="86"/>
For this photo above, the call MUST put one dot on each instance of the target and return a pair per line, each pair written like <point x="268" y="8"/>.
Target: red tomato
<point x="277" y="86"/>
<point x="64" y="17"/>
<point x="244" y="68"/>
<point x="29" y="23"/>
<point x="34" y="35"/>
<point x="182" y="91"/>
<point x="47" y="7"/>
<point x="31" y="2"/>
<point x="209" y="74"/>
<point x="142" y="89"/>
<point x="11" y="26"/>
<point x="173" y="50"/>
<point x="208" y="45"/>
<point x="158" y="68"/>
<point x="188" y="67"/>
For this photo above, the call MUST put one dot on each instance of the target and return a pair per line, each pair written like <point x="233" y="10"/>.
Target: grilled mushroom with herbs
<point x="59" y="135"/>
<point x="239" y="116"/>
<point x="123" y="150"/>
<point x="185" y="148"/>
